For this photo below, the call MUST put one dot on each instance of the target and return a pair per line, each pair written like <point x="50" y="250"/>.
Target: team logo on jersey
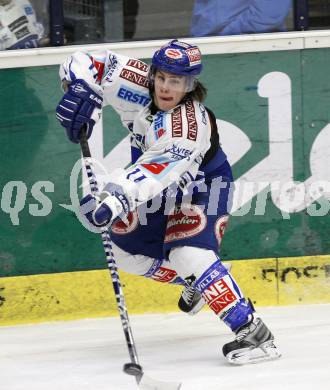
<point x="155" y="168"/>
<point x="173" y="53"/>
<point x="113" y="60"/>
<point x="220" y="227"/>
<point x="220" y="295"/>
<point x="133" y="96"/>
<point x="138" y="65"/>
<point x="176" y="119"/>
<point x="194" y="56"/>
<point x="159" y="128"/>
<point x="178" y="153"/>
<point x="134" y="77"/>
<point x="184" y="222"/>
<point x="120" y="227"/>
<point x="191" y="119"/>
<point x="111" y="67"/>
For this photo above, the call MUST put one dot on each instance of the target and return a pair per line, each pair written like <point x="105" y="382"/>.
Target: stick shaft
<point x="112" y="267"/>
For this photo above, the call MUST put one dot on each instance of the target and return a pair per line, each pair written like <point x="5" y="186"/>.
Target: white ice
<point x="89" y="354"/>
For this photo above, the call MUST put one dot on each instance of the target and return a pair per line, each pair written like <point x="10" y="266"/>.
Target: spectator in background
<point x="41" y="9"/>
<point x="19" y="28"/>
<point x="232" y="17"/>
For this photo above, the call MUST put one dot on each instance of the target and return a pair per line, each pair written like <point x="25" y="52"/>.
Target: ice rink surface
<point x="89" y="354"/>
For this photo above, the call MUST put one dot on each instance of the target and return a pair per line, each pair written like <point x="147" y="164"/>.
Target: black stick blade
<point x="133" y="369"/>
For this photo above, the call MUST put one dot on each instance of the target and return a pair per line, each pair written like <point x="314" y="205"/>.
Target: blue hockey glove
<point x="102" y="211"/>
<point x="79" y="106"/>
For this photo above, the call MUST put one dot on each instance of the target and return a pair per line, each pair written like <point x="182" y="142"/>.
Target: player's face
<point x="169" y="90"/>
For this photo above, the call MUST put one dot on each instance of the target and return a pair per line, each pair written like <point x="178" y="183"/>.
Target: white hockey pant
<point x="212" y="279"/>
<point x="159" y="270"/>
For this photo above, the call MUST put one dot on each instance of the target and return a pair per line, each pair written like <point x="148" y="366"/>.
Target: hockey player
<point x="176" y="160"/>
<point x="19" y="28"/>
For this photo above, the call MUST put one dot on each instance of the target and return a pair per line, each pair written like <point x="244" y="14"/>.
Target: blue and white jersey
<point x="121" y="80"/>
<point x="168" y="147"/>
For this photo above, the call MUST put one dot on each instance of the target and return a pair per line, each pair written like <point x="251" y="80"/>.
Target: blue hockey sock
<point x="223" y="296"/>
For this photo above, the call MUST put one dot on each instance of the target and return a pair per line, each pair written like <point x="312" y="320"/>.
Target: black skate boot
<point x="191" y="300"/>
<point x="253" y="343"/>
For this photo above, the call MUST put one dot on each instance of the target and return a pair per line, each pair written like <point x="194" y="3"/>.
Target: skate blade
<point x="266" y="351"/>
<point x="148" y="383"/>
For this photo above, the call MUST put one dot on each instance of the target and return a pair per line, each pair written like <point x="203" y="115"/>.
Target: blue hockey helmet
<point x="179" y="58"/>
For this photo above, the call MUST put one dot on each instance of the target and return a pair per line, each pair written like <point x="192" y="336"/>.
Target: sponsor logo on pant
<point x="220" y="227"/>
<point x="185" y="222"/>
<point x="164" y="275"/>
<point x="120" y="227"/>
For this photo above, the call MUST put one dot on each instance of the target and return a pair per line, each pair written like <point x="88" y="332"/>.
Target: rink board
<point x="87" y="294"/>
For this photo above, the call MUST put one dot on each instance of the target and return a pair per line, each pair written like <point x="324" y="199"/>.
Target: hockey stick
<point x="133" y="368"/>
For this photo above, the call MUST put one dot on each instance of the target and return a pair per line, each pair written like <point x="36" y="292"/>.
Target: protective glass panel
<point x="319" y="14"/>
<point x="23" y="24"/>
<point x="98" y="21"/>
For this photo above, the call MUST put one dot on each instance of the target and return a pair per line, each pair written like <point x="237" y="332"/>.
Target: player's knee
<point x="188" y="261"/>
<point x="132" y="264"/>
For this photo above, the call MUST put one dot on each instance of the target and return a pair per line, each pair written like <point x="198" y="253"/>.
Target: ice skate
<point x="253" y="343"/>
<point x="191" y="300"/>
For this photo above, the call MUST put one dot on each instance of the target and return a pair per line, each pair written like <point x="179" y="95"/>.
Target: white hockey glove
<point x="104" y="210"/>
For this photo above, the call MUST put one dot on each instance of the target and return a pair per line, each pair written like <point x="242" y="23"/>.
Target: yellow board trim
<point x="87" y="294"/>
